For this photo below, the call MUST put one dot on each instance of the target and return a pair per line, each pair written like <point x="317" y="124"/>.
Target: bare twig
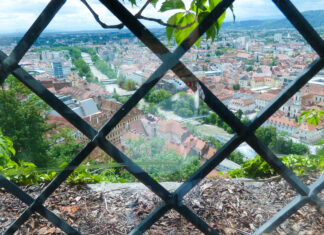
<point x="138" y="15"/>
<point x="240" y="231"/>
<point x="106" y="205"/>
<point x="235" y="208"/>
<point x="143" y="8"/>
<point x="95" y="15"/>
<point x="261" y="180"/>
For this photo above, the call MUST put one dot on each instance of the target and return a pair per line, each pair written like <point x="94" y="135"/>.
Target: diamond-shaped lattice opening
<point x="164" y="148"/>
<point x="288" y="136"/>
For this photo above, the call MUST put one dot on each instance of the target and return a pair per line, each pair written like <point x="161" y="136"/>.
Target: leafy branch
<point x="312" y="116"/>
<point x="138" y="15"/>
<point x="179" y="25"/>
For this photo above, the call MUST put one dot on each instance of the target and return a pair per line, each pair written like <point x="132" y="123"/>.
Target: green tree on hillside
<point x="64" y="147"/>
<point x="6" y="148"/>
<point x="268" y="135"/>
<point x="157" y="96"/>
<point x="22" y="120"/>
<point x="236" y="87"/>
<point x="249" y="68"/>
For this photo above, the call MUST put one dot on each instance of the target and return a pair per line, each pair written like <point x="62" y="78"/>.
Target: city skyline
<point x="19" y="16"/>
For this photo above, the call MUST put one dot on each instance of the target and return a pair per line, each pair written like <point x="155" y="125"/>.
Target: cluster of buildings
<point x="259" y="64"/>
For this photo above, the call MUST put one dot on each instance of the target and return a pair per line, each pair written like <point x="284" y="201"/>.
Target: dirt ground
<point x="229" y="206"/>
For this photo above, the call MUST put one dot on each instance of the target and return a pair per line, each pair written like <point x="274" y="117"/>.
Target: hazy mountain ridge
<point x="315" y="18"/>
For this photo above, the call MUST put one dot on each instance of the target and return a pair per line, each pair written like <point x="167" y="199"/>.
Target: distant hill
<point x="315" y="18"/>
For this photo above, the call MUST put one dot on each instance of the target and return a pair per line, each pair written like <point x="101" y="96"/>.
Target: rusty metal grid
<point x="170" y="60"/>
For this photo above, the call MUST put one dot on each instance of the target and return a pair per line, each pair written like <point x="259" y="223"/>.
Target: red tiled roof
<point x="282" y="120"/>
<point x="59" y="121"/>
<point x="265" y="96"/>
<point x="178" y="148"/>
<point x="242" y="102"/>
<point x="172" y="126"/>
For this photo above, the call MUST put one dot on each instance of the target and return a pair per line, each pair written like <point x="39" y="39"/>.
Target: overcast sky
<point x="18" y="15"/>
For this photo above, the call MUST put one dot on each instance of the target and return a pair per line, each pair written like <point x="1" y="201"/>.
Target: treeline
<point x="106" y="68"/>
<point x="101" y="65"/>
<point x="82" y="67"/>
<point x="214" y="119"/>
<point x="222" y="50"/>
<point x="280" y="143"/>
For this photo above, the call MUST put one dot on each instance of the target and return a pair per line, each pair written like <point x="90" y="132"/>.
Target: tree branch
<point x="143" y="8"/>
<point x="159" y="21"/>
<point x="138" y="15"/>
<point x="95" y="15"/>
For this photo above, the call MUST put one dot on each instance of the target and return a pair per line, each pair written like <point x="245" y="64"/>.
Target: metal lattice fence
<point x="170" y="60"/>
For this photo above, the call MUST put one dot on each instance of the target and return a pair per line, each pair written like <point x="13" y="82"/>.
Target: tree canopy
<point x="22" y="119"/>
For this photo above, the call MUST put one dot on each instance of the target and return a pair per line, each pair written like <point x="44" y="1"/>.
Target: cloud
<point x="265" y="9"/>
<point x="20" y="14"/>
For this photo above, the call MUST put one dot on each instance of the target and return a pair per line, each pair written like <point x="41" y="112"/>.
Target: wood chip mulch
<point x="229" y="206"/>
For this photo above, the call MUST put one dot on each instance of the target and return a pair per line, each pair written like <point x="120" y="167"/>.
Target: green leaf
<point x="153" y="2"/>
<point x="181" y="34"/>
<point x="213" y="4"/>
<point x="232" y="10"/>
<point x="133" y="2"/>
<point x="198" y="6"/>
<point x="63" y="165"/>
<point x="312" y="116"/>
<point x="320" y="142"/>
<point x="173" y="20"/>
<point x="171" y="5"/>
<point x="213" y="30"/>
<point x="198" y="42"/>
